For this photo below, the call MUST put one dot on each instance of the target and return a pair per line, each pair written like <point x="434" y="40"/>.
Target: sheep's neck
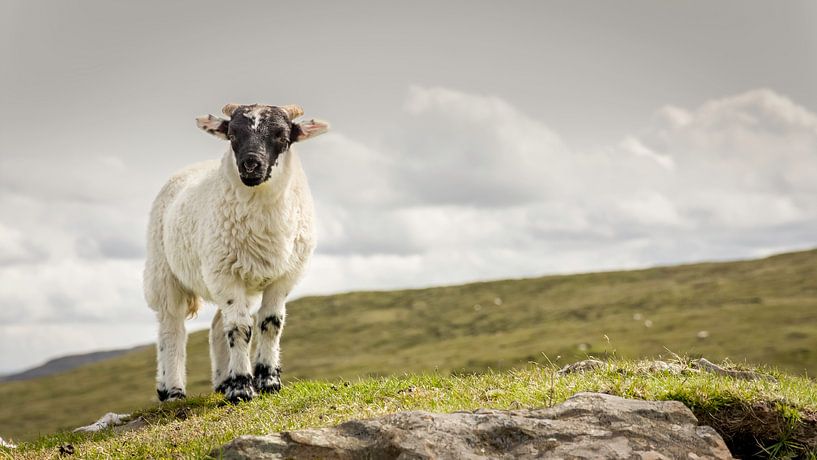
<point x="269" y="193"/>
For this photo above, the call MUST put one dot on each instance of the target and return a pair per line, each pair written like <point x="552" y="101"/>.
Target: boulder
<point x="588" y="425"/>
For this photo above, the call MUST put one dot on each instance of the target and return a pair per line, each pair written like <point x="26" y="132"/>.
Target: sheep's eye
<point x="231" y="137"/>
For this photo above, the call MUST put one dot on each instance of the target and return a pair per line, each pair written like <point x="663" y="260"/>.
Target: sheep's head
<point x="259" y="135"/>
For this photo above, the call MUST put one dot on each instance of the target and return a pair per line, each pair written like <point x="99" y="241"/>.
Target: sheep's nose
<point x="251" y="165"/>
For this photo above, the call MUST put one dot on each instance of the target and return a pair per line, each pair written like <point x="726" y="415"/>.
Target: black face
<point x="259" y="135"/>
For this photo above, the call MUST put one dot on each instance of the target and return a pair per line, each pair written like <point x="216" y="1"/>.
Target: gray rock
<point x="106" y="421"/>
<point x="663" y="366"/>
<point x="6" y="444"/>
<point x="588" y="425"/>
<point x="135" y="424"/>
<point x="581" y="366"/>
<point x="713" y="368"/>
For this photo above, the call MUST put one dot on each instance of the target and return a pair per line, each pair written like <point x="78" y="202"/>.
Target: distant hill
<point x="759" y="311"/>
<point x="66" y="363"/>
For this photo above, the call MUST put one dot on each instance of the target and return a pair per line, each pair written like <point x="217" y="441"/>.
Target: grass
<point x="759" y="311"/>
<point x="751" y="415"/>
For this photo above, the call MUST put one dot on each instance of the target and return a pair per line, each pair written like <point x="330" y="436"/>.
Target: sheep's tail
<point x="193" y="305"/>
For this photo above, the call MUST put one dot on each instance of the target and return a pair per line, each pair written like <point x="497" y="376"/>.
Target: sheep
<point x="228" y="232"/>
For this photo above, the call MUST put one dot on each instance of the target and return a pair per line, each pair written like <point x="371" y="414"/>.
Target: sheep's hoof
<point x="237" y="388"/>
<point x="172" y="394"/>
<point x="267" y="380"/>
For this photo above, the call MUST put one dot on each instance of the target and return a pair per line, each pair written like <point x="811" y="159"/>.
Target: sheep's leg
<point x="219" y="352"/>
<point x="270" y="325"/>
<point x="172" y="303"/>
<point x="237" y="330"/>
<point x="171" y="355"/>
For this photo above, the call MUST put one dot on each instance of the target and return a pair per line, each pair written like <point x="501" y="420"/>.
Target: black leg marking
<point x="273" y="320"/>
<point x="267" y="379"/>
<point x="171" y="394"/>
<point x="237" y="388"/>
<point x="176" y="393"/>
<point x="246" y="334"/>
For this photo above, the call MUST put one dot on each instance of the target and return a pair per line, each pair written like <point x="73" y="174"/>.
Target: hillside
<point x="760" y="418"/>
<point x="760" y="311"/>
<point x="64" y="363"/>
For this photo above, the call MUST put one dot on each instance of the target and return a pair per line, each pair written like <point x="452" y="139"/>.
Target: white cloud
<point x="651" y="208"/>
<point x="349" y="173"/>
<point x="466" y="187"/>
<point x="32" y="344"/>
<point x="458" y="148"/>
<point x="15" y="248"/>
<point x="486" y="191"/>
<point x="73" y="289"/>
<point x="634" y="146"/>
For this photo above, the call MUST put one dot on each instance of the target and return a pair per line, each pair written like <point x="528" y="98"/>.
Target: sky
<point x="470" y="140"/>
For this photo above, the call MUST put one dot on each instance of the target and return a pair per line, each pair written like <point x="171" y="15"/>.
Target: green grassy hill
<point x="760" y="311"/>
<point x="757" y="419"/>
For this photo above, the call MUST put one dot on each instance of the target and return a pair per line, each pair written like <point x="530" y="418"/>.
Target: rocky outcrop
<point x="588" y="425"/>
<point x="106" y="421"/>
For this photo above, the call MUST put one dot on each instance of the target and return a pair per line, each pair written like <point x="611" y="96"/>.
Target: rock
<point x="588" y="425"/>
<point x="7" y="445"/>
<point x="662" y="366"/>
<point x="136" y="424"/>
<point x="582" y="366"/>
<point x="708" y="366"/>
<point x="106" y="421"/>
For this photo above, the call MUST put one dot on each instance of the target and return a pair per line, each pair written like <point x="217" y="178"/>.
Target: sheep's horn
<point x="229" y="109"/>
<point x="293" y="111"/>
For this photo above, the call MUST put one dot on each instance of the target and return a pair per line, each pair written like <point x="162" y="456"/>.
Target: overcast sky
<point x="471" y="140"/>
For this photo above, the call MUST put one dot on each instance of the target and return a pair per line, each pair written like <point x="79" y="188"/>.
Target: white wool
<point x="211" y="237"/>
<point x="217" y="235"/>
<point x="256" y="114"/>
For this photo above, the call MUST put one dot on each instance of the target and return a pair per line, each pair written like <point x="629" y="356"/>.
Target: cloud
<point x="469" y="187"/>
<point x="15" y="248"/>
<point x="634" y="146"/>
<point x="464" y="187"/>
<point x="458" y="148"/>
<point x="38" y="343"/>
<point x="747" y="161"/>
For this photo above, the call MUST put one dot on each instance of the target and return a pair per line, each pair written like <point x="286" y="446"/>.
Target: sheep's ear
<point x="307" y="129"/>
<point x="213" y="125"/>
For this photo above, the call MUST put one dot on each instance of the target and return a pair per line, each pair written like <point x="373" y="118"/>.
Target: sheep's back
<point x="176" y="221"/>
